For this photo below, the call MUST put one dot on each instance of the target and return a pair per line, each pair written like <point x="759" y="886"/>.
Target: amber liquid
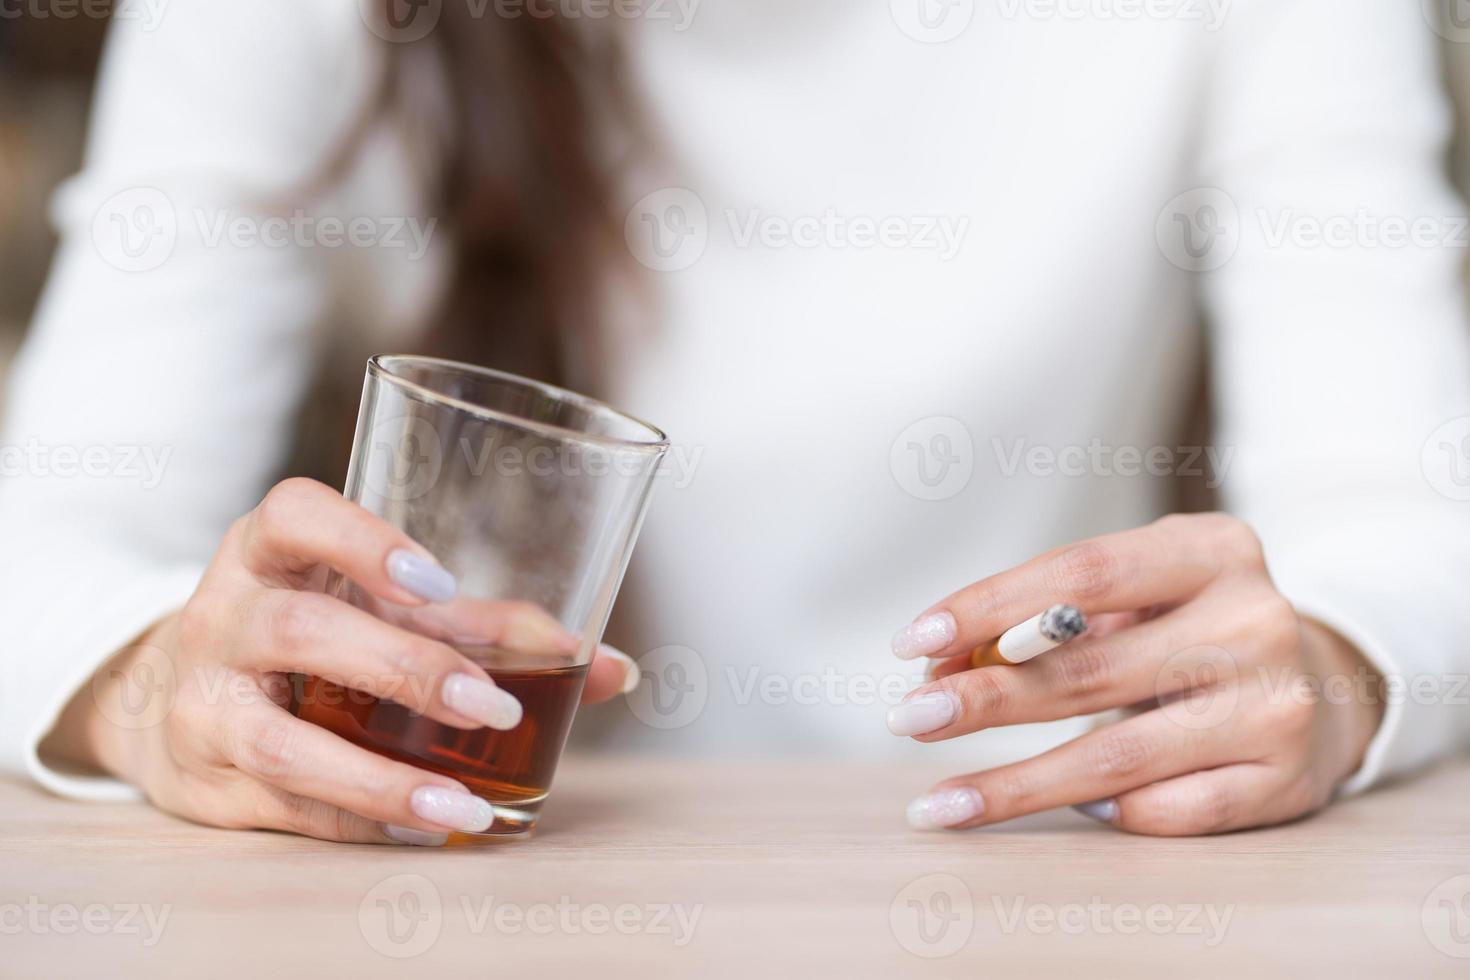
<point x="512" y="770"/>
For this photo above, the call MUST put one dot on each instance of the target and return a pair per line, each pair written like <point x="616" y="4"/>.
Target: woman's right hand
<point x="215" y="741"/>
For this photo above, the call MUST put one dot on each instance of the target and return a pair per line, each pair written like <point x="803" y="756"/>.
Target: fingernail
<point x="451" y="808"/>
<point x="481" y="700"/>
<point x="1104" y="811"/>
<point x="418" y="838"/>
<point x="631" y="674"/>
<point x="422" y="576"/>
<point x="924" y="636"/>
<point x="946" y="808"/>
<point x="923" y="714"/>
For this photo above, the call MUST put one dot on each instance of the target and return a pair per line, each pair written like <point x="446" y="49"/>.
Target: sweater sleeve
<point x="154" y="396"/>
<point x="1341" y="357"/>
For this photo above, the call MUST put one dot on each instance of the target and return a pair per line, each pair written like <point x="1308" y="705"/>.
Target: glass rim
<point x="379" y="367"/>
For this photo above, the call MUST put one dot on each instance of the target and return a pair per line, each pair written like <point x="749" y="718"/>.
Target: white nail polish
<point x="924" y="637"/>
<point x="482" y="701"/>
<point x="946" y="808"/>
<point x="418" y="838"/>
<point x="1104" y="811"/>
<point x="422" y="576"/>
<point x="923" y="714"/>
<point x="451" y="808"/>
<point x="631" y="674"/>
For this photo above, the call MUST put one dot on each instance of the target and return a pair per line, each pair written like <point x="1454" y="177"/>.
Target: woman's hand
<point x="1221" y="671"/>
<point x="216" y="742"/>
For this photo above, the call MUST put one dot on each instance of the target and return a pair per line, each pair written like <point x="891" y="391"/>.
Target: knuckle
<point x="405" y="667"/>
<point x="1122" y="755"/>
<point x="1211" y="810"/>
<point x="294" y="620"/>
<point x="1083" y="670"/>
<point x="195" y="625"/>
<point x="1089" y="570"/>
<point x="1237" y="538"/>
<point x="1010" y="786"/>
<point x="281" y="507"/>
<point x="982" y="695"/>
<point x="1291" y="721"/>
<point x="267" y="749"/>
<point x="1276" y="624"/>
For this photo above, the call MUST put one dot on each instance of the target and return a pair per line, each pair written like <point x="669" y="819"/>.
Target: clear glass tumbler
<point x="532" y="496"/>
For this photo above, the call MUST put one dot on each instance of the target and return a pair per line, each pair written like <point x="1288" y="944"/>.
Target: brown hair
<point x="525" y="183"/>
<point x="525" y="115"/>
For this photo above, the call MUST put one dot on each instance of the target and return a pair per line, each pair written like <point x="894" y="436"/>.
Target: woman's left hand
<point x="1233" y="729"/>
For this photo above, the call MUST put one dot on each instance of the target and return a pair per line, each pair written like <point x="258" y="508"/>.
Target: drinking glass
<point x="532" y="497"/>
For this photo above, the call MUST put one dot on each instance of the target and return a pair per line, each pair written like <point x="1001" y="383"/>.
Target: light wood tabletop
<point x="646" y="867"/>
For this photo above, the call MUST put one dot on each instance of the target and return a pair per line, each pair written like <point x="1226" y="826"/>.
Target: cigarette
<point x="1042" y="632"/>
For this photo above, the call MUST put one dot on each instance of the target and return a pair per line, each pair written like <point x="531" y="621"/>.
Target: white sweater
<point x="916" y="242"/>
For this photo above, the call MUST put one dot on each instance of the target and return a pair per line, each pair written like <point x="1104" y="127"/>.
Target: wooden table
<point x="652" y="868"/>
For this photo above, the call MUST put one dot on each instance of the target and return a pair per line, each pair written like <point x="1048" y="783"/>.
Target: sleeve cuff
<point x="44" y="686"/>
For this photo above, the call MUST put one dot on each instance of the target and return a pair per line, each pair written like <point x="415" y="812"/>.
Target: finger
<point x="514" y="625"/>
<point x="314" y="634"/>
<point x="1211" y="801"/>
<point x="613" y="672"/>
<point x="1099" y="765"/>
<point x="1098" y="626"/>
<point x="278" y="809"/>
<point x="1156" y="659"/>
<point x="302" y="525"/>
<point x="1163" y="563"/>
<point x="268" y="744"/>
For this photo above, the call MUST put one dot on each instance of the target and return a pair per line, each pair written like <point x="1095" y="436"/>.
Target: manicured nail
<point x="631" y="674"/>
<point x="1104" y="811"/>
<point x="451" y="808"/>
<point x="924" y="636"/>
<point x="946" y="808"/>
<point x="422" y="576"/>
<point x="418" y="838"/>
<point x="481" y="700"/>
<point x="923" y="714"/>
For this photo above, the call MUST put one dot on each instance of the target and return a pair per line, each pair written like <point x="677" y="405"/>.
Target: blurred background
<point x="47" y="67"/>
